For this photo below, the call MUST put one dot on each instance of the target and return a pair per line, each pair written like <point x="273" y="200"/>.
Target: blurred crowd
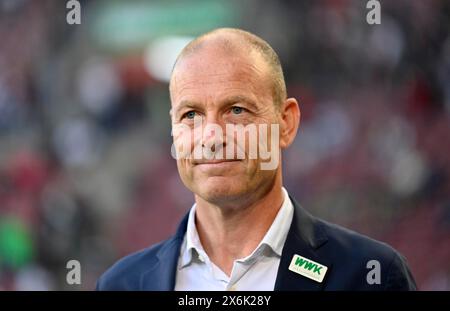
<point x="85" y="165"/>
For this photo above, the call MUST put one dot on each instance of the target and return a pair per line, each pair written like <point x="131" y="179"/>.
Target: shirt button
<point x="200" y="257"/>
<point x="232" y="288"/>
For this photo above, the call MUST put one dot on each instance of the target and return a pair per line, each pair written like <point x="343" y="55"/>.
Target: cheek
<point x="258" y="140"/>
<point x="183" y="143"/>
<point x="185" y="171"/>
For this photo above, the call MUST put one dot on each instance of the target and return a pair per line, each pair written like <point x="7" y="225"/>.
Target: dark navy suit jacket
<point x="344" y="252"/>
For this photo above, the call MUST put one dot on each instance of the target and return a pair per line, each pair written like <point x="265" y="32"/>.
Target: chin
<point x="218" y="190"/>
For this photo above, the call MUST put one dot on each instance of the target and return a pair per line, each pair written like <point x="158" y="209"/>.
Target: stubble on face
<point x="205" y="81"/>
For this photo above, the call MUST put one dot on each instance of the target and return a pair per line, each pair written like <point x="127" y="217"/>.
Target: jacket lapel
<point x="304" y="238"/>
<point x="161" y="276"/>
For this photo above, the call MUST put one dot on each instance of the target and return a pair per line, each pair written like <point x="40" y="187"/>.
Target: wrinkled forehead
<point x="219" y="68"/>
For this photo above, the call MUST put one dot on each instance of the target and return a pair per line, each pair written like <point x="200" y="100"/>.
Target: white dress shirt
<point x="257" y="272"/>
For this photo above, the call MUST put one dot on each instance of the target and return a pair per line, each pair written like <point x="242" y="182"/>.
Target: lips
<point x="200" y="162"/>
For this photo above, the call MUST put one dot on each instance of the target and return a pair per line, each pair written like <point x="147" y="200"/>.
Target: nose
<point x="213" y="135"/>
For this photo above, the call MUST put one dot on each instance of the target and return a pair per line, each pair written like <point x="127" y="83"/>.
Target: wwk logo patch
<point x="308" y="268"/>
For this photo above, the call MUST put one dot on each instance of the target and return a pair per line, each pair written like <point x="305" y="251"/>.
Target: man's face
<point x="214" y="88"/>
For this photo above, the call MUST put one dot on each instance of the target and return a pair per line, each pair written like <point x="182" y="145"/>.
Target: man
<point x="244" y="231"/>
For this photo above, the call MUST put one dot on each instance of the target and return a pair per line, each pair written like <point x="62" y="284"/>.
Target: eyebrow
<point x="185" y="104"/>
<point x="240" y="99"/>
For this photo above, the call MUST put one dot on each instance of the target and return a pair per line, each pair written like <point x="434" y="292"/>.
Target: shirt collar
<point x="274" y="238"/>
<point x="192" y="246"/>
<point x="277" y="233"/>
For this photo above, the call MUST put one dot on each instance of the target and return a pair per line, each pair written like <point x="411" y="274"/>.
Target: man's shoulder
<point x="126" y="273"/>
<point x="149" y="269"/>
<point x="354" y="243"/>
<point x="354" y="255"/>
<point x="335" y="241"/>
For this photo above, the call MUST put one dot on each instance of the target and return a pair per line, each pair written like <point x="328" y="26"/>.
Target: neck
<point x="228" y="233"/>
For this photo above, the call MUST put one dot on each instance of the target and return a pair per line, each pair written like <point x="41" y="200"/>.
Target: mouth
<point x="214" y="162"/>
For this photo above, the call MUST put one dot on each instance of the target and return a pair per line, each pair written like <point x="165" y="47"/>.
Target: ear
<point x="289" y="123"/>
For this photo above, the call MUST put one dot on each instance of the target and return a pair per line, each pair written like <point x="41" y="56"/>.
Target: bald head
<point x="231" y="41"/>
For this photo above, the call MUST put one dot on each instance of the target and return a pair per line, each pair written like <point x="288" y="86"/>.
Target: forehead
<point x="213" y="73"/>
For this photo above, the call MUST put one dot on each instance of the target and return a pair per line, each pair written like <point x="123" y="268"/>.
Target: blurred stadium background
<point x="85" y="165"/>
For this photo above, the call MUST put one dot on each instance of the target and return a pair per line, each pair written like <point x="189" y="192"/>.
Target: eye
<point x="237" y="110"/>
<point x="189" y="115"/>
